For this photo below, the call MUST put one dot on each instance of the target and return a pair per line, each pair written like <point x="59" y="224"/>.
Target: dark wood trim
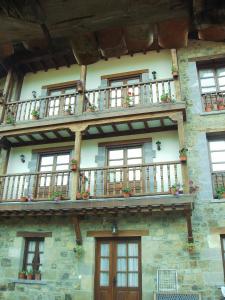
<point x="125" y="74"/>
<point x="125" y="143"/>
<point x="60" y="85"/>
<point x="76" y="223"/>
<point x="222" y="237"/>
<point x="53" y="149"/>
<point x="202" y="59"/>
<point x="31" y="234"/>
<point x="121" y="233"/>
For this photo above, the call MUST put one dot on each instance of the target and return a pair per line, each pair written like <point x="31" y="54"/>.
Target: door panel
<point x="118" y="269"/>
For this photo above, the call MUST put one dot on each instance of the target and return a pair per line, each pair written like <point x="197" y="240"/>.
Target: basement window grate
<point x="177" y="296"/>
<point x="167" y="280"/>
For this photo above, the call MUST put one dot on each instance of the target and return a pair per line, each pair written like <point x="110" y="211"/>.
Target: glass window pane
<point x="133" y="264"/>
<point x="30" y="257"/>
<point x="104" y="279"/>
<point x="218" y="167"/>
<point x="217" y="145"/>
<point x="208" y="90"/>
<point x="221" y="80"/>
<point x="46" y="160"/>
<point x="221" y="72"/>
<point x="116" y="154"/>
<point x="62" y="167"/>
<point x="134" y="161"/>
<point x="116" y="163"/>
<point x="121" y="264"/>
<point x="104" y="249"/>
<point x="134" y="152"/>
<point x="41" y="246"/>
<point x="206" y="73"/>
<point x="207" y="82"/>
<point x="46" y="169"/>
<point x="223" y="243"/>
<point x="121" y="279"/>
<point x="133" y="279"/>
<point x="31" y="246"/>
<point x="121" y="249"/>
<point x="63" y="159"/>
<point x="132" y="249"/>
<point x="218" y="156"/>
<point x="104" y="264"/>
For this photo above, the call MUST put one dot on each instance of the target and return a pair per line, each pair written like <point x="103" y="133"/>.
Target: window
<point x="212" y="80"/>
<point x="33" y="254"/>
<point x="217" y="155"/>
<point x="222" y="239"/>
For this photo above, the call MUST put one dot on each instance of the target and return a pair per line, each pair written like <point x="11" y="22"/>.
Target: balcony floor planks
<point x="92" y="207"/>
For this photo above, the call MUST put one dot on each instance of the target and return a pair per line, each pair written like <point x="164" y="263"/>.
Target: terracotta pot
<point x="85" y="196"/>
<point x="223" y="196"/>
<point x="35" y="117"/>
<point x="126" y="195"/>
<point x="78" y="196"/>
<point x="175" y="74"/>
<point x="37" y="276"/>
<point x="22" y="275"/>
<point x="208" y="108"/>
<point x="183" y="158"/>
<point x="220" y="107"/>
<point x="73" y="167"/>
<point x="125" y="105"/>
<point x="80" y="87"/>
<point x="23" y="199"/>
<point x="29" y="276"/>
<point x="59" y="198"/>
<point x="68" y="113"/>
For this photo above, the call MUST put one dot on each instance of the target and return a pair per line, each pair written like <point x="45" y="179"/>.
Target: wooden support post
<point x="81" y="97"/>
<point x="77" y="152"/>
<point x="6" y="93"/>
<point x="18" y="86"/>
<point x="187" y="212"/>
<point x="76" y="223"/>
<point x="176" y="78"/>
<point x="4" y="158"/>
<point x="178" y="117"/>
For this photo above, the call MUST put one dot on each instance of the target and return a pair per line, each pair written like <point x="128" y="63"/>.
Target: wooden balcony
<point x="143" y="94"/>
<point x="213" y="101"/>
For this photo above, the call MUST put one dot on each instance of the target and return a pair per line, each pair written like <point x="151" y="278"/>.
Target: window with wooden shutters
<point x="33" y="254"/>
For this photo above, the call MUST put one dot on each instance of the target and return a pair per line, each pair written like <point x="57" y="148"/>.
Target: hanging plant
<point x="78" y="250"/>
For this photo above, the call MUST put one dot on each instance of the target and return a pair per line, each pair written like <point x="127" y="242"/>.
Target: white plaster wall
<point x="154" y="61"/>
<point x="169" y="151"/>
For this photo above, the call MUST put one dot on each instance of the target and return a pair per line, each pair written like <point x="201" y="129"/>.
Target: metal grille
<point x="175" y="296"/>
<point x="167" y="280"/>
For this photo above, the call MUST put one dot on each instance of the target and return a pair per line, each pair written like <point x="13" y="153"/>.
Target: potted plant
<point x="57" y="196"/>
<point x="190" y="247"/>
<point x="80" y="87"/>
<point x="23" y="198"/>
<point x="208" y="107"/>
<point x="30" y="274"/>
<point x="22" y="274"/>
<point x="220" y="192"/>
<point x="79" y="250"/>
<point x="91" y="108"/>
<point x="127" y="101"/>
<point x="73" y="165"/>
<point x="126" y="192"/>
<point x="10" y="119"/>
<point x="37" y="275"/>
<point x="68" y="111"/>
<point x="174" y="72"/>
<point x="35" y="114"/>
<point x="220" y="103"/>
<point x="85" y="195"/>
<point x="165" y="98"/>
<point x="175" y="189"/>
<point x="78" y="196"/>
<point x="183" y="154"/>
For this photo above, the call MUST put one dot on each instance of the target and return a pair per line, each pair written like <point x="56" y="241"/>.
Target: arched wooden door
<point x="118" y="269"/>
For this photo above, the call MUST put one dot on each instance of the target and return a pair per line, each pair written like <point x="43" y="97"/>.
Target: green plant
<point x="183" y="151"/>
<point x="175" y="189"/>
<point x="10" y="119"/>
<point x="174" y="69"/>
<point x="220" y="192"/>
<point x="126" y="189"/>
<point x="56" y="194"/>
<point x="35" y="113"/>
<point x="127" y="100"/>
<point x="73" y="161"/>
<point x="92" y="108"/>
<point x="37" y="272"/>
<point x="69" y="109"/>
<point x="79" y="250"/>
<point x="165" y="98"/>
<point x="24" y="272"/>
<point x="30" y="272"/>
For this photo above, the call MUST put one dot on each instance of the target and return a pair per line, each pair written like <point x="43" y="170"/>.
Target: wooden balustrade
<point x="145" y="179"/>
<point x="218" y="180"/>
<point x="213" y="101"/>
<point x="34" y="186"/>
<point x="46" y="107"/>
<point x="129" y="95"/>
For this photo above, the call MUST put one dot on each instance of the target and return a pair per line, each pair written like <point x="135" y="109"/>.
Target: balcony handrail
<point x="132" y="166"/>
<point x="35" y="173"/>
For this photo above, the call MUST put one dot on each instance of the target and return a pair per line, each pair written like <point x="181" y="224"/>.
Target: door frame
<point x="118" y="238"/>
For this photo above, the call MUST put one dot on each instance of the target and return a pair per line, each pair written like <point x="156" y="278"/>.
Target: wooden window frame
<point x="36" y="252"/>
<point x="124" y="148"/>
<point x="119" y="76"/>
<point x="222" y="238"/>
<point x="54" y="154"/>
<point x="59" y="86"/>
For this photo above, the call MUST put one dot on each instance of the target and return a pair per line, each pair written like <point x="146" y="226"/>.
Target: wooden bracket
<point x="187" y="213"/>
<point x="76" y="223"/>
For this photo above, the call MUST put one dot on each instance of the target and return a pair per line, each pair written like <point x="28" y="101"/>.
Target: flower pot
<point x="85" y="196"/>
<point x="208" y="108"/>
<point x="126" y="195"/>
<point x="35" y="117"/>
<point x="125" y="105"/>
<point x="183" y="158"/>
<point x="29" y="276"/>
<point x="223" y="196"/>
<point x="80" y="87"/>
<point x="22" y="275"/>
<point x="78" y="196"/>
<point x="220" y="107"/>
<point x="37" y="276"/>
<point x="59" y="198"/>
<point x="23" y="199"/>
<point x="73" y="167"/>
<point x="175" y="74"/>
<point x="68" y="113"/>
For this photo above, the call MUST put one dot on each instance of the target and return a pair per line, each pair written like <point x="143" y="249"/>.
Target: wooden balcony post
<point x="178" y="117"/>
<point x="81" y="97"/>
<point x="176" y="78"/>
<point x="6" y="93"/>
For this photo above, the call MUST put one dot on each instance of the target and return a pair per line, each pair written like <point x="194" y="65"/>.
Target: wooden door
<point x="57" y="180"/>
<point x="126" y="171"/>
<point x="118" y="269"/>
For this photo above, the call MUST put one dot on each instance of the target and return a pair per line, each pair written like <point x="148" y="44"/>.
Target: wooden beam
<point x="77" y="154"/>
<point x="176" y="78"/>
<point x="76" y="223"/>
<point x="30" y="234"/>
<point x="121" y="233"/>
<point x="187" y="213"/>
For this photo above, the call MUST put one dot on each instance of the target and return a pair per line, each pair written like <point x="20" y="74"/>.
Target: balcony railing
<point x="108" y="98"/>
<point x="218" y="180"/>
<point x="35" y="186"/>
<point x="213" y="101"/>
<point x="46" y="107"/>
<point x="142" y="93"/>
<point x="145" y="179"/>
